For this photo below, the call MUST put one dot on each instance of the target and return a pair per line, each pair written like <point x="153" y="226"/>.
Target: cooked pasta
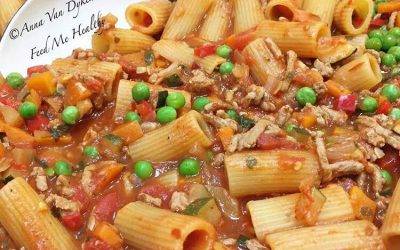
<point x="277" y="9"/>
<point x="302" y="38"/>
<point x="209" y="63"/>
<point x="263" y="171"/>
<point x="361" y="73"/>
<point x="390" y="228"/>
<point x="32" y="225"/>
<point x="346" y="9"/>
<point x="347" y="235"/>
<point x="149" y="17"/>
<point x="324" y="9"/>
<point x="216" y="25"/>
<point x="248" y="14"/>
<point x="184" y="18"/>
<point x="175" y="51"/>
<point x="271" y="215"/>
<point x="155" y="228"/>
<point x="123" y="41"/>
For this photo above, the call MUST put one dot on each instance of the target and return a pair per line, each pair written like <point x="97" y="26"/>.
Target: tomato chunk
<point x="36" y="69"/>
<point x="96" y="244"/>
<point x="106" y="207"/>
<point x="347" y="103"/>
<point x="384" y="106"/>
<point x="39" y="122"/>
<point x="72" y="221"/>
<point x="205" y="50"/>
<point x="270" y="141"/>
<point x="146" y="111"/>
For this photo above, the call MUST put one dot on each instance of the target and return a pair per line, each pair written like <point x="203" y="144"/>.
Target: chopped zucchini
<point x="364" y="208"/>
<point x="206" y="209"/>
<point x="111" y="145"/>
<point x="162" y="98"/>
<point x="309" y="206"/>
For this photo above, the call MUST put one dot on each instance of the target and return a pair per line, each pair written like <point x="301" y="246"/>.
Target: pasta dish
<point x="210" y="124"/>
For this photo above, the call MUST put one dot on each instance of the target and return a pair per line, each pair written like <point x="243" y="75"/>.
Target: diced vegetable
<point x="34" y="97"/>
<point x="23" y="156"/>
<point x="43" y="83"/>
<point x="36" y="69"/>
<point x="307" y="120"/>
<point x="241" y="242"/>
<point x="111" y="145"/>
<point x="72" y="221"/>
<point x="389" y="7"/>
<point x="62" y="168"/>
<point x="146" y="111"/>
<point x="245" y="122"/>
<point x="205" y="50"/>
<point x="335" y="89"/>
<point x="364" y="208"/>
<point x="96" y="244"/>
<point x="173" y="81"/>
<point x="225" y="134"/>
<point x="198" y="191"/>
<point x="204" y="208"/>
<point x="384" y="106"/>
<point x="149" y="57"/>
<point x="16" y="136"/>
<point x="144" y="169"/>
<point x="108" y="234"/>
<point x="76" y="92"/>
<point x="240" y="41"/>
<point x="11" y="116"/>
<point x="129" y="132"/>
<point x="309" y="204"/>
<point x="347" y="103"/>
<point x="162" y="99"/>
<point x="106" y="207"/>
<point x="272" y="141"/>
<point x="228" y="205"/>
<point x="107" y="172"/>
<point x="38" y="122"/>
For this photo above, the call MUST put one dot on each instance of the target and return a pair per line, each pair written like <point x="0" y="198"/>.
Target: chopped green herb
<point x="195" y="206"/>
<point x="149" y="57"/>
<point x="42" y="163"/>
<point x="251" y="162"/>
<point x="173" y="81"/>
<point x="246" y="122"/>
<point x="59" y="131"/>
<point x="162" y="98"/>
<point x="114" y="139"/>
<point x="241" y="242"/>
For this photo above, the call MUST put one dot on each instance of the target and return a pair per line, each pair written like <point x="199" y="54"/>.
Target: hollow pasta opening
<point x="196" y="240"/>
<point x="281" y="11"/>
<point x="394" y="242"/>
<point x="360" y="13"/>
<point x="141" y="18"/>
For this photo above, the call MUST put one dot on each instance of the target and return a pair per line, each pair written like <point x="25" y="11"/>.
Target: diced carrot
<point x="109" y="234"/>
<point x="308" y="120"/>
<point x="43" y="138"/>
<point x="76" y="92"/>
<point x="389" y="7"/>
<point x="16" y="136"/>
<point x="225" y="134"/>
<point x="161" y="63"/>
<point x="129" y="132"/>
<point x="106" y="175"/>
<point x="335" y="89"/>
<point x="364" y="208"/>
<point x="34" y="97"/>
<point x="44" y="83"/>
<point x="2" y="150"/>
<point x="11" y="116"/>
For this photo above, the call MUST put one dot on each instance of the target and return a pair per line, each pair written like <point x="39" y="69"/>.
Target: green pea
<point x="395" y="31"/>
<point x="391" y="92"/>
<point x="176" y="100"/>
<point x="306" y="95"/>
<point x="373" y="43"/>
<point x="224" y="51"/>
<point x="50" y="172"/>
<point x="376" y="34"/>
<point x="140" y="92"/>
<point x="369" y="104"/>
<point x="395" y="113"/>
<point x="143" y="169"/>
<point x="388" y="60"/>
<point x="15" y="80"/>
<point x="226" y="68"/>
<point x="28" y="110"/>
<point x="233" y="114"/>
<point x="132" y="117"/>
<point x="166" y="115"/>
<point x="189" y="167"/>
<point x="62" y="168"/>
<point x="395" y="50"/>
<point x="70" y="115"/>
<point x="290" y="127"/>
<point x="200" y="102"/>
<point x="388" y="42"/>
<point x="91" y="151"/>
<point x="387" y="177"/>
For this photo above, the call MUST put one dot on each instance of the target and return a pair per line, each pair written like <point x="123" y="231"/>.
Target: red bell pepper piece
<point x="384" y="106"/>
<point x="347" y="103"/>
<point x="36" y="69"/>
<point x="72" y="221"/>
<point x="378" y="22"/>
<point x="240" y="41"/>
<point x="205" y="50"/>
<point x="39" y="122"/>
<point x="96" y="244"/>
<point x="146" y="111"/>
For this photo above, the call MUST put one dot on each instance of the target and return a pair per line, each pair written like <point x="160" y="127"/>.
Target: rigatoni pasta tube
<point x="391" y="225"/>
<point x="172" y="141"/>
<point x="280" y="8"/>
<point x="124" y="96"/>
<point x="148" y="17"/>
<point x="267" y="66"/>
<point x="275" y="171"/>
<point x="185" y="17"/>
<point x="324" y="9"/>
<point x="277" y="214"/>
<point x="215" y="26"/>
<point x="174" y="51"/>
<point x="248" y="14"/>
<point x="361" y="73"/>
<point x="209" y="63"/>
<point x="147" y="227"/>
<point x="29" y="221"/>
<point x="345" y="12"/>
<point x="347" y="235"/>
<point x="123" y="41"/>
<point x="300" y="37"/>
